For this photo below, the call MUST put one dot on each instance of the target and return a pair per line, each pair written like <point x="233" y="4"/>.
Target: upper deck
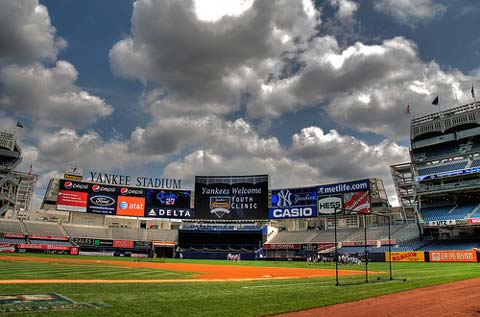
<point x="444" y="120"/>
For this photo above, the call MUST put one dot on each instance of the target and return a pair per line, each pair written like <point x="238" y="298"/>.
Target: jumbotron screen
<point x="231" y="197"/>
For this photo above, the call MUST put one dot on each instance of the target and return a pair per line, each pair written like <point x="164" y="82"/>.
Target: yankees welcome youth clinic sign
<point x="231" y="197"/>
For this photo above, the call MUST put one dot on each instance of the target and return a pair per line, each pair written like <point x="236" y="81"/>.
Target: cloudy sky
<point x="307" y="92"/>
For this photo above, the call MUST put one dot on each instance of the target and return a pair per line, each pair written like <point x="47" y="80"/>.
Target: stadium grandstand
<point x="240" y="215"/>
<point x="441" y="184"/>
<point x="16" y="188"/>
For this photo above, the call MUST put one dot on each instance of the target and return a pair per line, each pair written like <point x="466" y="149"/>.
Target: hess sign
<point x="327" y="205"/>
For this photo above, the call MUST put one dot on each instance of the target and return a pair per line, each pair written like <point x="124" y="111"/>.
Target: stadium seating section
<point x="442" y="168"/>
<point x="450" y="212"/>
<point x="47" y="228"/>
<point x="406" y="236"/>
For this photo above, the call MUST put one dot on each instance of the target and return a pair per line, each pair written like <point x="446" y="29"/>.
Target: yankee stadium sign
<point x="126" y="180"/>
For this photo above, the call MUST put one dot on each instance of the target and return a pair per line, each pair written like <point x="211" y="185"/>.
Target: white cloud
<point x="338" y="155"/>
<point x="66" y="146"/>
<point x="410" y="12"/>
<point x="210" y="63"/>
<point x="167" y="136"/>
<point x="346" y="9"/>
<point x="315" y="157"/>
<point x="26" y="33"/>
<point x="214" y="10"/>
<point x="49" y="96"/>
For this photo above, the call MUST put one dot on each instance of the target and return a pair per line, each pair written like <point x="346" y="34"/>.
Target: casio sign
<point x="293" y="212"/>
<point x="102" y="200"/>
<point x="327" y="205"/>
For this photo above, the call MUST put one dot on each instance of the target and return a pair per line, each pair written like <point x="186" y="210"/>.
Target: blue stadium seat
<point x="442" y="168"/>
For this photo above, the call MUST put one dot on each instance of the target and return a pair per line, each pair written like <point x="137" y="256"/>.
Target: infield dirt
<point x="202" y="272"/>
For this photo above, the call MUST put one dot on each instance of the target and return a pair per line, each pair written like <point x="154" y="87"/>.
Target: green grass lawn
<point x="253" y="298"/>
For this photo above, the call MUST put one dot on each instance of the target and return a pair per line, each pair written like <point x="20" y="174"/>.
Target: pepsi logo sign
<point x="131" y="191"/>
<point x="97" y="188"/>
<point x="72" y="185"/>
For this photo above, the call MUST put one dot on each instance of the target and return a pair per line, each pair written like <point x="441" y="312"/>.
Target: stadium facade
<point x="16" y="188"/>
<point x="445" y="160"/>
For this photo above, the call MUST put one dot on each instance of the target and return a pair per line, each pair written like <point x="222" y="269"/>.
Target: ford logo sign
<point x="102" y="200"/>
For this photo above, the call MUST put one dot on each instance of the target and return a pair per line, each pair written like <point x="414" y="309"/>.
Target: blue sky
<point x="310" y="93"/>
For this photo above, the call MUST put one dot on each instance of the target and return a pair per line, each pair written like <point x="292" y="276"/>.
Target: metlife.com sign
<point x="294" y="203"/>
<point x="347" y="187"/>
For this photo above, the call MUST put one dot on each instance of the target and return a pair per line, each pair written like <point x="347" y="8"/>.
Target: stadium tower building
<point x="445" y="156"/>
<point x="16" y="188"/>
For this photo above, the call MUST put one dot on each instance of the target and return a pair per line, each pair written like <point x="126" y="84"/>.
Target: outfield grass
<point x="253" y="298"/>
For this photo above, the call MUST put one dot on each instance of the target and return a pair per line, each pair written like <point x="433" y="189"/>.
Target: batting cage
<point x="366" y="258"/>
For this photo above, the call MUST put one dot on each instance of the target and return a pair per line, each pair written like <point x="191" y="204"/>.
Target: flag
<point x="19" y="125"/>
<point x="435" y="101"/>
<point x="30" y="170"/>
<point x="473" y="92"/>
<point x="407" y="110"/>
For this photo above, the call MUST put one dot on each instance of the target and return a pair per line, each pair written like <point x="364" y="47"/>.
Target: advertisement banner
<point x="123" y="244"/>
<point x="453" y="256"/>
<point x="309" y="247"/>
<point x="103" y="243"/>
<point x="409" y="256"/>
<point x="130" y="201"/>
<point x="43" y="247"/>
<point x="474" y="221"/>
<point x="347" y="187"/>
<point x="282" y="246"/>
<point x="162" y="203"/>
<point x="353" y="201"/>
<point x="83" y="241"/>
<point x="231" y="197"/>
<point x="293" y="203"/>
<point x="328" y="204"/>
<point x="357" y="201"/>
<point x="130" y="206"/>
<point x="466" y="171"/>
<point x="47" y="237"/>
<point x="74" y="250"/>
<point x="102" y="199"/>
<point x="72" y="196"/>
<point x="143" y="244"/>
<point x="440" y="223"/>
<point x="7" y="247"/>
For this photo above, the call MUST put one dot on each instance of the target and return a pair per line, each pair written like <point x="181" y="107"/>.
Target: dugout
<point x="164" y="249"/>
<point x="217" y="241"/>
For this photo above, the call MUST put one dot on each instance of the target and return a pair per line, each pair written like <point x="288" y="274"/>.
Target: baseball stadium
<point x="101" y="245"/>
